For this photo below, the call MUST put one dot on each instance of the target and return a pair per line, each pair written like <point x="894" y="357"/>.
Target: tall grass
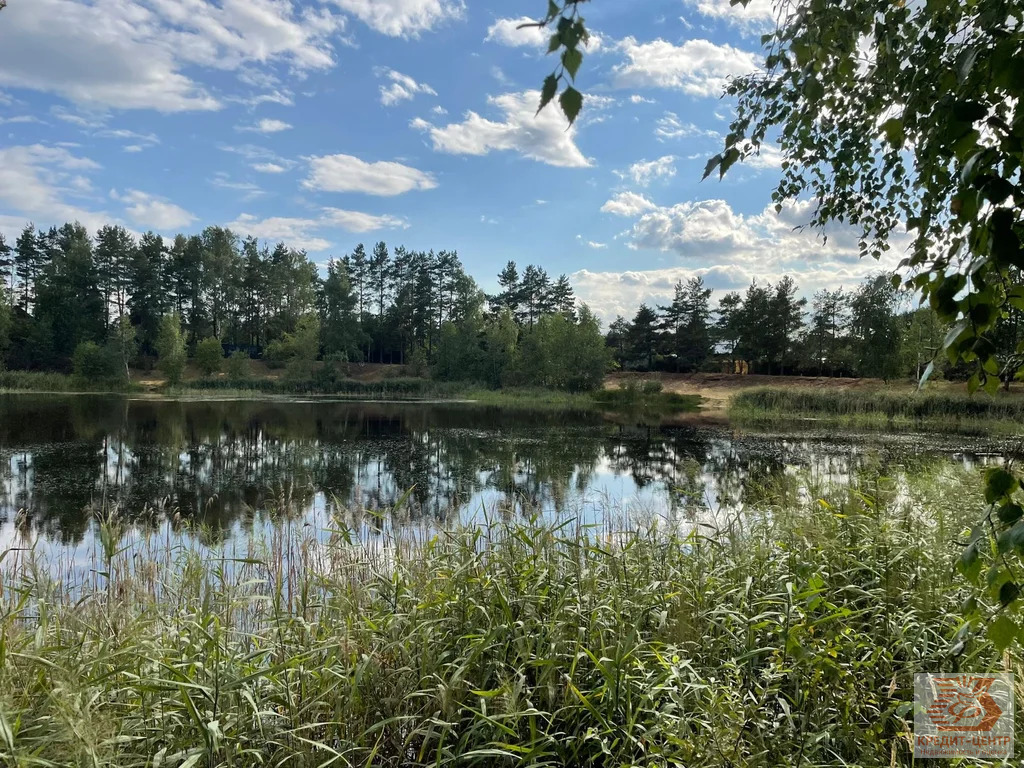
<point x="43" y="381"/>
<point x="785" y="636"/>
<point x="881" y="408"/>
<point x="396" y="388"/>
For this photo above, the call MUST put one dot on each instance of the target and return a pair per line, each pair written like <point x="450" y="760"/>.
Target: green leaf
<point x="1010" y="513"/>
<point x="713" y="163"/>
<point x="893" y="130"/>
<point x="572" y="59"/>
<point x="969" y="563"/>
<point x="1001" y="632"/>
<point x="730" y="158"/>
<point x="547" y="93"/>
<point x="571" y="101"/>
<point x="555" y="43"/>
<point x="998" y="484"/>
<point x="1008" y="593"/>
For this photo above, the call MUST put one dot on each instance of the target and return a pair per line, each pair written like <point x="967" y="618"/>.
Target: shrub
<point x="91" y="362"/>
<point x="238" y="365"/>
<point x="209" y="356"/>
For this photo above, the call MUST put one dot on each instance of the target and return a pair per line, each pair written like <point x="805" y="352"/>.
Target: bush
<point x="209" y="356"/>
<point x="238" y="365"/>
<point x="91" y="362"/>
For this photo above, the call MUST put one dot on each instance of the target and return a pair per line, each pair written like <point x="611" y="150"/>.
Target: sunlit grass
<point x="786" y="634"/>
<point x="880" y="409"/>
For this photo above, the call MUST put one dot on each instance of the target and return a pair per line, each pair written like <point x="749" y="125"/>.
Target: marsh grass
<point x="786" y="634"/>
<point x="42" y="381"/>
<point x="880" y="409"/>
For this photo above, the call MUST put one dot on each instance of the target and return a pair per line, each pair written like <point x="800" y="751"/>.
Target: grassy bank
<point x="788" y="636"/>
<point x="880" y="409"/>
<point x="39" y="381"/>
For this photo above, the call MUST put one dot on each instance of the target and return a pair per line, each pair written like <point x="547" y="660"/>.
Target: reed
<point x="786" y="635"/>
<point x="878" y="407"/>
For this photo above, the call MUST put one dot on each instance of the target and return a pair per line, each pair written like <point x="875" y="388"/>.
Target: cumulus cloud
<point x="522" y="32"/>
<point x="266" y="125"/>
<point x="697" y="67"/>
<point x="306" y="233"/>
<point x="135" y="53"/>
<point x="542" y="137"/>
<point x="35" y="182"/>
<point x="730" y="250"/>
<point x="401" y="88"/>
<point x="712" y="232"/>
<point x="628" y="204"/>
<point x="151" y="212"/>
<point x="768" y="157"/>
<point x="508" y="32"/>
<point x="754" y="16"/>
<point x="346" y="173"/>
<point x="402" y="18"/>
<point x="646" y="171"/>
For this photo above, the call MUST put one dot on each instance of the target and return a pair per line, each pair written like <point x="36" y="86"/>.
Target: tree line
<point x="101" y="304"/>
<point x="872" y="330"/>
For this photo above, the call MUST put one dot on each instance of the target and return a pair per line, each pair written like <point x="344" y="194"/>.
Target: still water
<point x="228" y="464"/>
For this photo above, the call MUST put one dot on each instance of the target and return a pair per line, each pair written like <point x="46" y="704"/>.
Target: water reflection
<point x="224" y="462"/>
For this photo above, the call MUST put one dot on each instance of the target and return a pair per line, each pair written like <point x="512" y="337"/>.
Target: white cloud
<point x="697" y="67"/>
<point x="152" y="212"/>
<point x="224" y="181"/>
<point x="306" y="233"/>
<point x="439" y="110"/>
<point x="267" y="125"/>
<point x="345" y="173"/>
<point x="508" y="32"/>
<point x="357" y="221"/>
<point x="636" y="98"/>
<point x="754" y="16"/>
<point x="710" y="230"/>
<point x="269" y="168"/>
<point x="402" y="18"/>
<point x="768" y="157"/>
<point x="592" y="244"/>
<point x="729" y="250"/>
<point x="36" y="179"/>
<point x="542" y="137"/>
<point x="19" y="119"/>
<point x="628" y="204"/>
<point x="401" y="88"/>
<point x="132" y="54"/>
<point x="669" y="126"/>
<point x="646" y="171"/>
<point x="133" y="148"/>
<point x="523" y="33"/>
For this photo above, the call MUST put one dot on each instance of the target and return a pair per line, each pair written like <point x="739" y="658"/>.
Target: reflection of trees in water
<point x="221" y="462"/>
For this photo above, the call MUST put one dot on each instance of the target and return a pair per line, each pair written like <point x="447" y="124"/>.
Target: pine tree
<point x="27" y="259"/>
<point x="510" y="295"/>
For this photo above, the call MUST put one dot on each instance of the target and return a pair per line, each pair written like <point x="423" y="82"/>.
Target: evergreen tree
<point x="114" y="253"/>
<point x="643" y="337"/>
<point x="27" y="259"/>
<point x="510" y="295"/>
<point x="339" y="328"/>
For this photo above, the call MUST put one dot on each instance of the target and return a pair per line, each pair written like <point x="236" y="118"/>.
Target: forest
<point x="101" y="305"/>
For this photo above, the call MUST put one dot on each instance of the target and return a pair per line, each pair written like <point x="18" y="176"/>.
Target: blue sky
<point x="324" y="123"/>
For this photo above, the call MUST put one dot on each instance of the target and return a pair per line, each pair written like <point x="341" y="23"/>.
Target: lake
<point x="221" y="467"/>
